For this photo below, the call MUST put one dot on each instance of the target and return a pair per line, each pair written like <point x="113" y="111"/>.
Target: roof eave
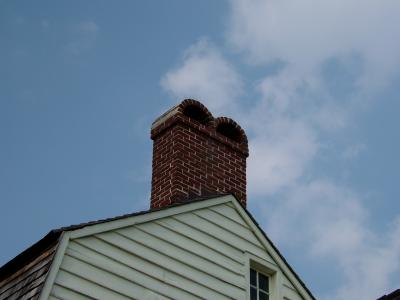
<point x="29" y="254"/>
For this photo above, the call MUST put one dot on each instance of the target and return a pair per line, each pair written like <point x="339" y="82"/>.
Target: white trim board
<point x="55" y="266"/>
<point x="273" y="253"/>
<point x="148" y="216"/>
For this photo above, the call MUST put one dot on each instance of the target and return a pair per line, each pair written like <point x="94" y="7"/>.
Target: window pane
<point x="253" y="293"/>
<point x="263" y="282"/>
<point x="253" y="277"/>
<point x="263" y="296"/>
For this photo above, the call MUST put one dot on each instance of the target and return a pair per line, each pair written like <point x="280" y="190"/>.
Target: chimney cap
<point x="189" y="107"/>
<point x="232" y="130"/>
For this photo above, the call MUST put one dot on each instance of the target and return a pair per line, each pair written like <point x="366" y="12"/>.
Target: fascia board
<point x="271" y="251"/>
<point x="150" y="216"/>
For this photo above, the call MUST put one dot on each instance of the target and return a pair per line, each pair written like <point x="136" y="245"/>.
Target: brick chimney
<point x="195" y="154"/>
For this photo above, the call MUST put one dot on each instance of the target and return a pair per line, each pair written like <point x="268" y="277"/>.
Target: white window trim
<point x="267" y="268"/>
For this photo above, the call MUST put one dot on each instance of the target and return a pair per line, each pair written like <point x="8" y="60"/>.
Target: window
<point x="259" y="285"/>
<point x="264" y="279"/>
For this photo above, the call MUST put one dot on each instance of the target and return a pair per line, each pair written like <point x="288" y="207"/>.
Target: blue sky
<point x="315" y="85"/>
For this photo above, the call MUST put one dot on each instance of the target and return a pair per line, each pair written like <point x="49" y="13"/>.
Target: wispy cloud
<point x="353" y="151"/>
<point x="307" y="33"/>
<point x="331" y="223"/>
<point x="332" y="61"/>
<point x="204" y="74"/>
<point x="84" y="35"/>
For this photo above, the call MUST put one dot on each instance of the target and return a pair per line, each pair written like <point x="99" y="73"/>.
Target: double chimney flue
<point x="195" y="154"/>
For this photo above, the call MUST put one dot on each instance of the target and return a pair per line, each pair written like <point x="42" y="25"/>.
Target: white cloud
<point x="280" y="150"/>
<point x="331" y="222"/>
<point x="204" y="75"/>
<point x="285" y="125"/>
<point x="317" y="209"/>
<point x="297" y="112"/>
<point x="306" y="33"/>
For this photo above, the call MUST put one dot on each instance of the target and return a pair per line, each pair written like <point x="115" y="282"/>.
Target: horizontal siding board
<point x="108" y="275"/>
<point x="230" y="213"/>
<point x="129" y="266"/>
<point x="199" y="282"/>
<point x="62" y="293"/>
<point x="290" y="294"/>
<point x="84" y="284"/>
<point x="204" y="238"/>
<point x="228" y="225"/>
<point x="192" y="245"/>
<point x="287" y="283"/>
<point x="221" y="234"/>
<point x="207" y="267"/>
<point x="119" y="287"/>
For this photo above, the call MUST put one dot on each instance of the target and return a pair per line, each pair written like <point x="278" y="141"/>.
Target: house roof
<point x="395" y="295"/>
<point x="51" y="240"/>
<point x="53" y="236"/>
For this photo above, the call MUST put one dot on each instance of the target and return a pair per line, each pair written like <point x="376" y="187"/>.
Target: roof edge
<point x="48" y="240"/>
<point x="29" y="254"/>
<point x="32" y="252"/>
<point x="276" y="250"/>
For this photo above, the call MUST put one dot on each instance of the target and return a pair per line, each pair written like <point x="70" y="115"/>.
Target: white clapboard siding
<point x="129" y="271"/>
<point x="242" y="231"/>
<point x="192" y="245"/>
<point x="289" y="291"/>
<point x="287" y="283"/>
<point x="82" y="283"/>
<point x="290" y="294"/>
<point x="198" y="254"/>
<point x="60" y="292"/>
<point x="222" y="234"/>
<point x="229" y="212"/>
<point x="181" y="272"/>
<point x="152" y="268"/>
<point x="200" y="265"/>
<point x="207" y="239"/>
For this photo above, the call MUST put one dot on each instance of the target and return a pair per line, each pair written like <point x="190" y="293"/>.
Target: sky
<point x="315" y="84"/>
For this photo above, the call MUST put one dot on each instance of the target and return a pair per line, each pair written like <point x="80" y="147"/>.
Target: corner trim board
<point x="51" y="276"/>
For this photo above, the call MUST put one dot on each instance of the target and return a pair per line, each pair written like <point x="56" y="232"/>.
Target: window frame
<point x="266" y="268"/>
<point x="257" y="287"/>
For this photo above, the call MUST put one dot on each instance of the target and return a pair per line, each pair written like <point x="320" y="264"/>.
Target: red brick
<point x="192" y="156"/>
